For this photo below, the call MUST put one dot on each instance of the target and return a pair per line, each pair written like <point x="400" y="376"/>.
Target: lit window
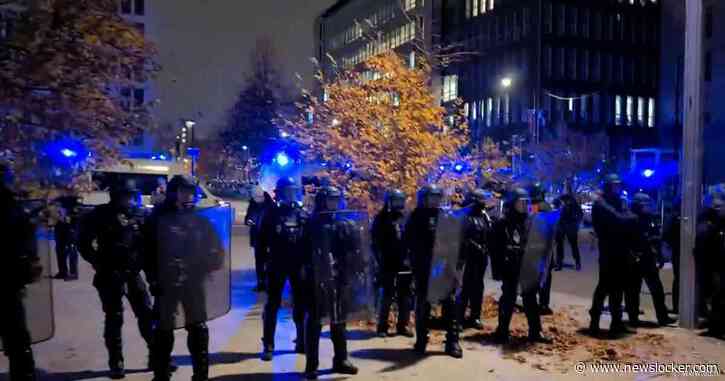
<point x="475" y="8"/>
<point x="640" y="110"/>
<point x="630" y="110"/>
<point x="411" y="60"/>
<point x="571" y="104"/>
<point x="506" y="109"/>
<point x="489" y="111"/>
<point x="465" y="109"/>
<point x="450" y="87"/>
<point x="474" y="114"/>
<point x="468" y="9"/>
<point x="618" y="110"/>
<point x="490" y="4"/>
<point x="651" y="113"/>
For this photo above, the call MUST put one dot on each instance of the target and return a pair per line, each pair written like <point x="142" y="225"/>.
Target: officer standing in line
<point x="647" y="257"/>
<point x="394" y="268"/>
<point x="111" y="241"/>
<point x="477" y="227"/>
<point x="20" y="267"/>
<point x="334" y="262"/>
<point x="510" y="236"/>
<point x="281" y="236"/>
<point x="420" y="238"/>
<point x="612" y="223"/>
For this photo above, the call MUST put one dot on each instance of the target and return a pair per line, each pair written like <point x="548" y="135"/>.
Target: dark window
<point x="525" y="20"/>
<point x="708" y="22"/>
<point x="598" y="26"/>
<point x="561" y="62"/>
<point x="139" y="7"/>
<point x="708" y="66"/>
<point x="138" y="97"/>
<point x="547" y="61"/>
<point x="548" y="18"/>
<point x="126" y="7"/>
<point x="561" y="19"/>
<point x="596" y="65"/>
<point x="571" y="21"/>
<point x="584" y="23"/>
<point x="571" y="63"/>
<point x="125" y="98"/>
<point x="584" y="63"/>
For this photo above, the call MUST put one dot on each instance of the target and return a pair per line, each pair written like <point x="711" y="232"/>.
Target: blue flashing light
<point x="624" y="193"/>
<point x="162" y="157"/>
<point x="67" y="152"/>
<point x="348" y="165"/>
<point x="282" y="159"/>
<point x="458" y="167"/>
<point x="442" y="167"/>
<point x="647" y="173"/>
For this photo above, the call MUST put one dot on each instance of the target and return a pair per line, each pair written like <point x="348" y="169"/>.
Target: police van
<point x="148" y="176"/>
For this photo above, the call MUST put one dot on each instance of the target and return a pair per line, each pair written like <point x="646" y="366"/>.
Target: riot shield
<point x="342" y="267"/>
<point x="38" y="296"/>
<point x="193" y="266"/>
<point x="445" y="272"/>
<point x="538" y="252"/>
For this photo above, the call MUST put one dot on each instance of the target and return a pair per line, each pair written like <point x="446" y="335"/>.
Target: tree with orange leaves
<point x="378" y="126"/>
<point x="61" y="75"/>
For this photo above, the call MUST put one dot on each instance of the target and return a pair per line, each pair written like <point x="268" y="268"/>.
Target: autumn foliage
<point x="378" y="126"/>
<point x="61" y="75"/>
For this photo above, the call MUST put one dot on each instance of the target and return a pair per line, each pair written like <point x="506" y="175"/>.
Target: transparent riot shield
<point x="539" y="247"/>
<point x="37" y="298"/>
<point x="342" y="267"/>
<point x="193" y="266"/>
<point x="445" y="272"/>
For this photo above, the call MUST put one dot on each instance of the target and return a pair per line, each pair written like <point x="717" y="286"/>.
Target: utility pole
<point x="691" y="164"/>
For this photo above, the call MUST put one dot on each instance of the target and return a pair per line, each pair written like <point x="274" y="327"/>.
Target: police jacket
<point x="646" y="238"/>
<point x="20" y="263"/>
<point x="180" y="247"/>
<point x="477" y="231"/>
<point x="282" y="234"/>
<point x="387" y="240"/>
<point x="613" y="223"/>
<point x="508" y="243"/>
<point x="419" y="237"/>
<point x="110" y="240"/>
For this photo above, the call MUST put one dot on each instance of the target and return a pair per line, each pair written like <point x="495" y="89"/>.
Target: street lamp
<point x="506" y="82"/>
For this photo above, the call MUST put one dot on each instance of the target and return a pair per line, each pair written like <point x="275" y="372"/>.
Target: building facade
<point x="351" y="31"/>
<point x="590" y="66"/>
<point x="671" y="88"/>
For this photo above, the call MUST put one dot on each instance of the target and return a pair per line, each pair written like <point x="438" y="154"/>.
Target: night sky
<point x="204" y="48"/>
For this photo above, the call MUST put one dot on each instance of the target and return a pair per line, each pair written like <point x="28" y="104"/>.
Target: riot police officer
<point x="611" y="221"/>
<point x="333" y="259"/>
<point x="647" y="256"/>
<point x="20" y="267"/>
<point x="259" y="204"/>
<point x="281" y="237"/>
<point x="710" y="264"/>
<point x="420" y="239"/>
<point x="475" y="251"/>
<point x="66" y="236"/>
<point x="182" y="251"/>
<point x="394" y="269"/>
<point x="110" y="240"/>
<point x="510" y="235"/>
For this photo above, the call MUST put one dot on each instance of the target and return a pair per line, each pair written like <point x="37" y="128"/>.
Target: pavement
<point x="77" y="352"/>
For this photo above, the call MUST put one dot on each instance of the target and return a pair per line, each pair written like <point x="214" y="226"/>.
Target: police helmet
<point x="287" y="190"/>
<point x="479" y="196"/>
<point x="430" y="196"/>
<point x="328" y="198"/>
<point x="395" y="199"/>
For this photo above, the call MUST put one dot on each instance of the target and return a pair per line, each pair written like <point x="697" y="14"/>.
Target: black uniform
<point x="646" y="256"/>
<point x="253" y="219"/>
<point x="671" y="236"/>
<point x="178" y="272"/>
<point x="118" y="262"/>
<point x="66" y="238"/>
<point x="710" y="268"/>
<point x="19" y="268"/>
<point x="613" y="224"/>
<point x="571" y="218"/>
<point x="281" y="236"/>
<point x="477" y="228"/>
<point x="510" y="235"/>
<point x="394" y="272"/>
<point x="329" y="286"/>
<point x="420" y="236"/>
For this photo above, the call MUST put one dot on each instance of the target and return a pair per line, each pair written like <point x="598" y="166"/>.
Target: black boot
<point x="404" y="331"/>
<point x="198" y="343"/>
<point x="617" y="329"/>
<point x="536" y="337"/>
<point x="300" y="340"/>
<point x="115" y="359"/>
<point x="594" y="324"/>
<point x="162" y="345"/>
<point x="343" y="367"/>
<point x="22" y="365"/>
<point x="420" y="345"/>
<point x="501" y="337"/>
